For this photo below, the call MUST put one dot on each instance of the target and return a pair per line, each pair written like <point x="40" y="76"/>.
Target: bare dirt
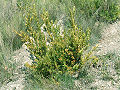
<point x="20" y="57"/>
<point x="109" y="43"/>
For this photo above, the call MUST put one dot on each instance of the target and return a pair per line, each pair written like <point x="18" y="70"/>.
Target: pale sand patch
<point x="110" y="41"/>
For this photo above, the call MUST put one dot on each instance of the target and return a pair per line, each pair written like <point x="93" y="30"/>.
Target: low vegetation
<point x="61" y="35"/>
<point x="56" y="51"/>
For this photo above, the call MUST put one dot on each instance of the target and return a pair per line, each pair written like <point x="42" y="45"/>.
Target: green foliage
<point x="9" y="20"/>
<point x="36" y="82"/>
<point x="55" y="7"/>
<point x="64" y="53"/>
<point x="102" y="10"/>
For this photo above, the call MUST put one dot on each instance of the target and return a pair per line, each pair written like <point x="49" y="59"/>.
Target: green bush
<point x="65" y="52"/>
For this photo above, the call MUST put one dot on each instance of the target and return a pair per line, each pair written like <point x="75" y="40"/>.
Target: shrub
<point x="56" y="51"/>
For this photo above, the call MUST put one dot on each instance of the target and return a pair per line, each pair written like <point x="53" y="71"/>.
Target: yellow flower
<point x="66" y="50"/>
<point x="30" y="28"/>
<point x="60" y="59"/>
<point x="68" y="68"/>
<point x="73" y="57"/>
<point x="74" y="60"/>
<point x="27" y="65"/>
<point x="69" y="53"/>
<point x="26" y="18"/>
<point x="62" y="55"/>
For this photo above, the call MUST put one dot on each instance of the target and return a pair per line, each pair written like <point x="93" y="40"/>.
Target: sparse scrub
<point x="9" y="21"/>
<point x="59" y="55"/>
